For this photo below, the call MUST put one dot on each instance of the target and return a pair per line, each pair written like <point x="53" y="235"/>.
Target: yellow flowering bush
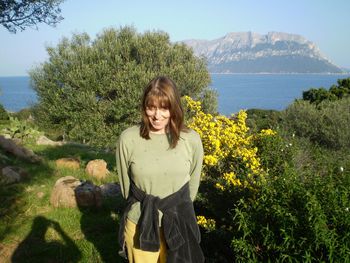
<point x="207" y="224"/>
<point x="255" y="193"/>
<point x="232" y="171"/>
<point x="229" y="153"/>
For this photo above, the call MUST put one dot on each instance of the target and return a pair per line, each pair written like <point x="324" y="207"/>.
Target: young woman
<point x="159" y="164"/>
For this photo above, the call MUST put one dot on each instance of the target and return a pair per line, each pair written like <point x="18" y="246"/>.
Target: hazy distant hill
<point x="249" y="52"/>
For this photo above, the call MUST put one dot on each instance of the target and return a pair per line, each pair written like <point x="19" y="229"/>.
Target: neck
<point x="158" y="132"/>
<point x="166" y="130"/>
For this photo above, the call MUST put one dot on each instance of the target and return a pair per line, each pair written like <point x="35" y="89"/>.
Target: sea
<point x="235" y="91"/>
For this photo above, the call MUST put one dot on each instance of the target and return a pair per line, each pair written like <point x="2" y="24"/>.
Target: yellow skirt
<point x="135" y="254"/>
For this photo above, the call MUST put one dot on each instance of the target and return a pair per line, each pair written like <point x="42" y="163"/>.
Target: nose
<point x="157" y="114"/>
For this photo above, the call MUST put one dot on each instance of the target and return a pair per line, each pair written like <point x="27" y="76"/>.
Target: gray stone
<point x="63" y="194"/>
<point x="43" y="140"/>
<point x="12" y="174"/>
<point x="10" y="146"/>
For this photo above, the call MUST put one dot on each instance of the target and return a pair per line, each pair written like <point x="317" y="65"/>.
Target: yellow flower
<point x="220" y="186"/>
<point x="231" y="179"/>
<point x="208" y="224"/>
<point x="228" y="148"/>
<point x="267" y="132"/>
<point x="210" y="160"/>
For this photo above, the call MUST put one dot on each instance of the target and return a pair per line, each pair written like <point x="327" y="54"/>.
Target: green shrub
<point x="299" y="213"/>
<point x="339" y="91"/>
<point x="3" y="113"/>
<point x="24" y="114"/>
<point x="318" y="95"/>
<point x="91" y="89"/>
<point x="327" y="124"/>
<point x="295" y="218"/>
<point x="22" y="130"/>
<point x="276" y="153"/>
<point x="259" y="119"/>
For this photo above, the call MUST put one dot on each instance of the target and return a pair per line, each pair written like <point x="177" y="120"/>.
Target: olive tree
<point x="90" y="89"/>
<point x="15" y="14"/>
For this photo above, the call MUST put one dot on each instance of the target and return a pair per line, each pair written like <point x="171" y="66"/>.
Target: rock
<point x="63" y="194"/>
<point x="30" y="118"/>
<point x="7" y="136"/>
<point x="43" y="140"/>
<point x="12" y="174"/>
<point x="72" y="163"/>
<point x="88" y="195"/>
<point x="97" y="168"/>
<point x="110" y="190"/>
<point x="10" y="146"/>
<point x="28" y="189"/>
<point x="40" y="195"/>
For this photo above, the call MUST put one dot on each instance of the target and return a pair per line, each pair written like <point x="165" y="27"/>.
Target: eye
<point x="150" y="108"/>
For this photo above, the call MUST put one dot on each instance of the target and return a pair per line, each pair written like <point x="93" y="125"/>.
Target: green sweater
<point x="155" y="168"/>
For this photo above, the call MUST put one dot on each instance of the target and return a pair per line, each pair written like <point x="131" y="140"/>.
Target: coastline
<point x="236" y="91"/>
<point x="285" y="73"/>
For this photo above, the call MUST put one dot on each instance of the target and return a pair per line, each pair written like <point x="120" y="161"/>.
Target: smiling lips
<point x="159" y="125"/>
<point x="157" y="121"/>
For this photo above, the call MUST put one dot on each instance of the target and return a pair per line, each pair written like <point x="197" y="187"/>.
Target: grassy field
<point x="31" y="230"/>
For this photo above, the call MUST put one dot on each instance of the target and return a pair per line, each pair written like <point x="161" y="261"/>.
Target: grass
<point x="31" y="230"/>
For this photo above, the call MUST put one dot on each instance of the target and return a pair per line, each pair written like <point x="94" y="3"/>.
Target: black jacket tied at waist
<point x="179" y="223"/>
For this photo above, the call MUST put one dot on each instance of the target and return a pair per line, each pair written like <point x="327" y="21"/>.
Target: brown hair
<point x="163" y="91"/>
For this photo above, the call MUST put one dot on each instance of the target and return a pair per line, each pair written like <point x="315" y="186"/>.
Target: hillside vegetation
<point x="275" y="186"/>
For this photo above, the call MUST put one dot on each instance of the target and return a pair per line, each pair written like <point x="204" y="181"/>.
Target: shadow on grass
<point x="34" y="248"/>
<point x="100" y="227"/>
<point x="13" y="197"/>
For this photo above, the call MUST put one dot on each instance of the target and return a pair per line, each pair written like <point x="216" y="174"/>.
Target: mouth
<point x="157" y="122"/>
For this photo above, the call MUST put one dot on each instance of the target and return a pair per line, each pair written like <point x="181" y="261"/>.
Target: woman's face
<point x="158" y="117"/>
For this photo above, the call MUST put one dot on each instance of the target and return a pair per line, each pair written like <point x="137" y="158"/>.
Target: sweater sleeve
<point x="196" y="166"/>
<point x="122" y="159"/>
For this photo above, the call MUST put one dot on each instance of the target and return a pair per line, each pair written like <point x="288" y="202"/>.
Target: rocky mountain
<point x="248" y="52"/>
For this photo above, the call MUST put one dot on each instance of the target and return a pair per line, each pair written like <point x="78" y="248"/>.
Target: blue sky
<point x="324" y="22"/>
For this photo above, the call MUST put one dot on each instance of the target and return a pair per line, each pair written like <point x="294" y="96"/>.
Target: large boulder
<point x="97" y="168"/>
<point x="10" y="146"/>
<point x="12" y="174"/>
<point x="63" y="194"/>
<point x="88" y="195"/>
<point x="43" y="140"/>
<point x="72" y="163"/>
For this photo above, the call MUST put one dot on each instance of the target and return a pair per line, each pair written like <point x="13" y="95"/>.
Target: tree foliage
<point x="91" y="89"/>
<point x="326" y="124"/>
<point x="339" y="91"/>
<point x="3" y="114"/>
<point x="20" y="14"/>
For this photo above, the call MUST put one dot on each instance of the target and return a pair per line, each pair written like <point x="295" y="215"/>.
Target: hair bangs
<point x="157" y="98"/>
